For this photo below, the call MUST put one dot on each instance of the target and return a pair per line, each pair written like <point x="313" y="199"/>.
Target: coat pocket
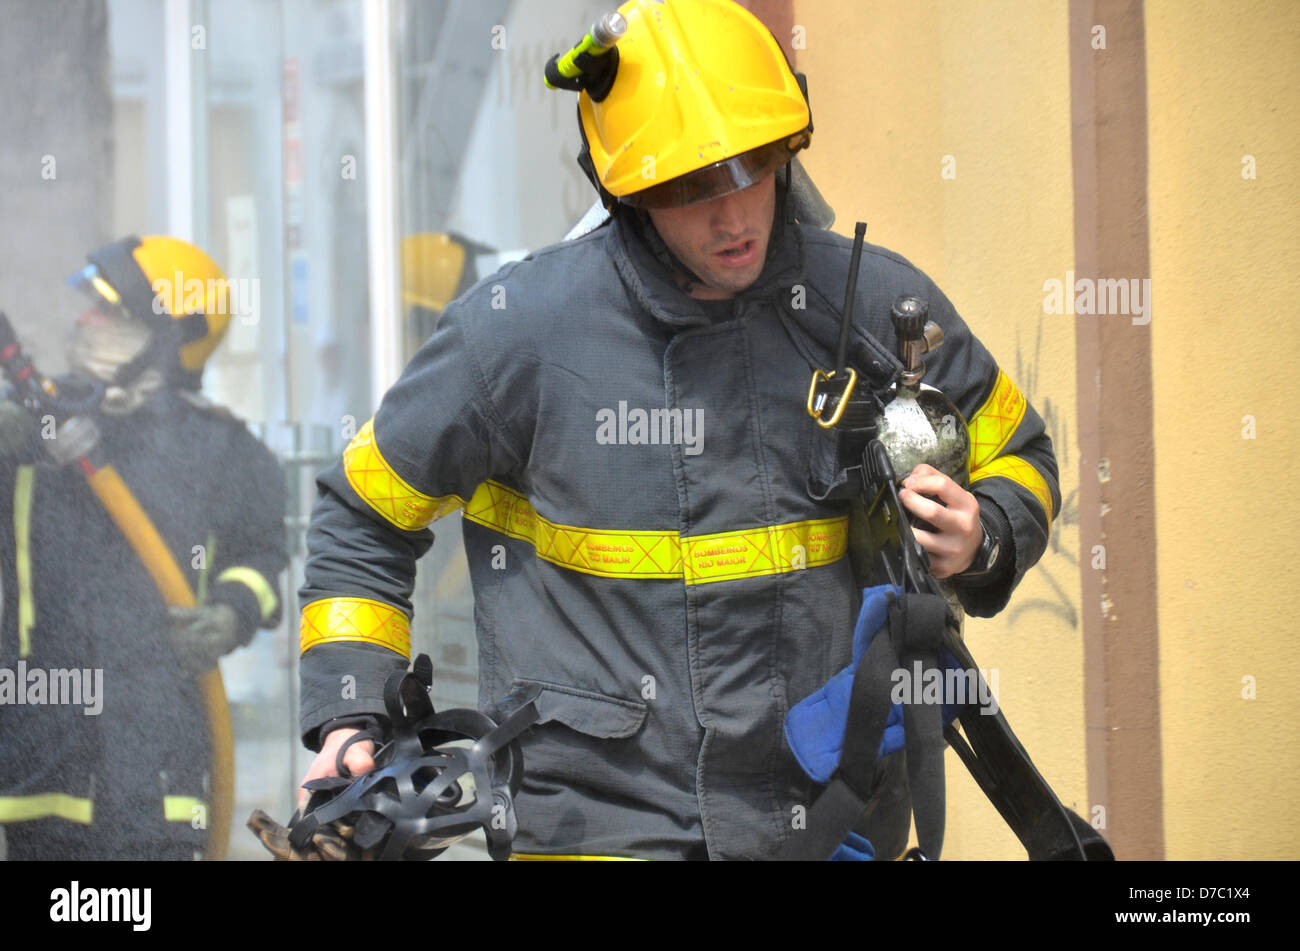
<point x="592" y="714"/>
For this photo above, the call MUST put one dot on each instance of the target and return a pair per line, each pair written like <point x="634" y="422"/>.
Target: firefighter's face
<point x="105" y="339"/>
<point x="724" y="241"/>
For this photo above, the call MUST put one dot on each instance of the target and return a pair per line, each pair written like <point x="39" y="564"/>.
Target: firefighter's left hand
<point x="956" y="515"/>
<point x="202" y="634"/>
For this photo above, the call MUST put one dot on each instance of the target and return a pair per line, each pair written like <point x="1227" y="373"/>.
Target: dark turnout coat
<point x="131" y="780"/>
<point x="674" y="595"/>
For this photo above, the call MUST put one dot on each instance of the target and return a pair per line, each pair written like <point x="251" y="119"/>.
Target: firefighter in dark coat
<point x="622" y="420"/>
<point x="119" y="767"/>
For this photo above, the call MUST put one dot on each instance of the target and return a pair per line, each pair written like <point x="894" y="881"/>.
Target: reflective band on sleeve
<point x="535" y="857"/>
<point x="658" y="555"/>
<point x="252" y="579"/>
<point x="183" y="809"/>
<point x="355" y="619"/>
<point x="23" y="549"/>
<point x="45" y="806"/>
<point x="372" y="478"/>
<point x="1023" y="474"/>
<point x="994" y="423"/>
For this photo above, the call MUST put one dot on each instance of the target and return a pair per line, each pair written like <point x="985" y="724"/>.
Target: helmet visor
<point x="722" y="178"/>
<point x="93" y="284"/>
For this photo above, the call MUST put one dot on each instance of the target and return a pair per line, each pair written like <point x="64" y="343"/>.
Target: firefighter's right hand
<point x="358" y="759"/>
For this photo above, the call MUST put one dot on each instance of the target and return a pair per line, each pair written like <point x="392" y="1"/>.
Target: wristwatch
<point x="986" y="559"/>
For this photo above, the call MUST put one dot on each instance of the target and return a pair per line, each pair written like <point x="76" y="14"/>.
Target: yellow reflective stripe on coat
<point x="23" y="487"/>
<point x="379" y="485"/>
<point x="1023" y="474"/>
<point x="994" y="423"/>
<point x="355" y="619"/>
<point x="45" y="806"/>
<point x="594" y="551"/>
<point x="252" y="579"/>
<point x="184" y="809"/>
<point x="536" y="857"/>
<point x="746" y="553"/>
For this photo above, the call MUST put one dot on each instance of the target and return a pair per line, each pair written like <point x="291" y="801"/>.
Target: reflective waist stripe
<point x="23" y="555"/>
<point x="646" y="555"/>
<point x="994" y="423"/>
<point x="354" y="619"/>
<point x="182" y="808"/>
<point x="252" y="579"/>
<point x="723" y="556"/>
<point x="45" y="806"/>
<point x="535" y="857"/>
<point x="380" y="487"/>
<point x="765" y="551"/>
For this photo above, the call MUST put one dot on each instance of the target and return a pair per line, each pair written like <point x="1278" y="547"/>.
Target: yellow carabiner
<point x="816" y="407"/>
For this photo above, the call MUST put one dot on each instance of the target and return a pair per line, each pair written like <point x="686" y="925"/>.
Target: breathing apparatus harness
<point x="919" y="631"/>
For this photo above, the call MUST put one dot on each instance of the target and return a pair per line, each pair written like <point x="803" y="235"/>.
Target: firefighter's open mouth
<point x="738" y="255"/>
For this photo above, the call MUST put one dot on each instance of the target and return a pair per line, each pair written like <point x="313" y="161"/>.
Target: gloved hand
<point x="331" y="843"/>
<point x="16" y="426"/>
<point x="202" y="634"/>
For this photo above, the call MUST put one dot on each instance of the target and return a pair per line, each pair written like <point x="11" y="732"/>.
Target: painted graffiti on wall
<point x="1060" y="561"/>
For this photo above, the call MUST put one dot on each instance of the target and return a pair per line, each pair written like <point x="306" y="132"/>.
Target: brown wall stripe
<point x="1116" y="468"/>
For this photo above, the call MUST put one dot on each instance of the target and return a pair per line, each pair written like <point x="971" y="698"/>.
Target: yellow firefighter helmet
<point x="702" y="103"/>
<point x="158" y="277"/>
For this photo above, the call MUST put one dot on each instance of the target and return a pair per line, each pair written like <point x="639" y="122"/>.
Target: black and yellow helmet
<point x="168" y="282"/>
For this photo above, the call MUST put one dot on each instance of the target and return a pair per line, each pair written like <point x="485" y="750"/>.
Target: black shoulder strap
<point x="919" y="627"/>
<point x="914" y="634"/>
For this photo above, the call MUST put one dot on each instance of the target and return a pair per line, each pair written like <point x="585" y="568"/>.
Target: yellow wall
<point x="896" y="87"/>
<point x="1224" y="82"/>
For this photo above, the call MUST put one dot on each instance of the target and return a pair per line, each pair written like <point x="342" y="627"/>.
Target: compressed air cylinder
<point x="919" y="424"/>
